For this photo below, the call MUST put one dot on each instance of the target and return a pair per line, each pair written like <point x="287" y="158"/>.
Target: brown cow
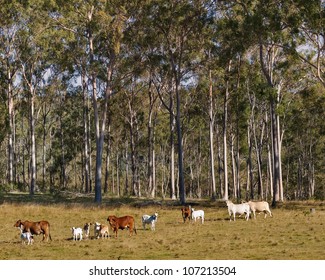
<point x="186" y="212"/>
<point x="122" y="223"/>
<point x="36" y="228"/>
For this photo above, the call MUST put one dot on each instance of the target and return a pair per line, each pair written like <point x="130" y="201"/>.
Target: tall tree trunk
<point x="225" y="123"/>
<point x="126" y="187"/>
<point x="100" y="131"/>
<point x="172" y="147"/>
<point x="137" y="174"/>
<point x="269" y="156"/>
<point x="211" y="137"/>
<point x="181" y="187"/>
<point x="221" y="189"/>
<point x="133" y="128"/>
<point x="90" y="161"/>
<point x="279" y="140"/>
<point x="250" y="179"/>
<point x="44" y="151"/>
<point x="267" y="62"/>
<point x="238" y="166"/>
<point x="86" y="170"/>
<point x="311" y="172"/>
<point x="23" y="152"/>
<point x="32" y="143"/>
<point x="11" y="128"/>
<point x="63" y="167"/>
<point x="100" y="121"/>
<point x="233" y="164"/>
<point x="258" y="149"/>
<point x="118" y="176"/>
<point x="275" y="154"/>
<point x="151" y="190"/>
<point x="151" y="144"/>
<point x="107" y="166"/>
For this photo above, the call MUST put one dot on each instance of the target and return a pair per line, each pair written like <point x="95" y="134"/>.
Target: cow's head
<point x="18" y="224"/>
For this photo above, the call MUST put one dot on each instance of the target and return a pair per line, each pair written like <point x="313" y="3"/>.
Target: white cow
<point x="76" y="233"/>
<point x="152" y="220"/>
<point x="238" y="208"/>
<point x="260" y="206"/>
<point x="197" y="214"/>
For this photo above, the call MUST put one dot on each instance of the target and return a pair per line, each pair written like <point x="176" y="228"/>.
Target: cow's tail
<point x="135" y="230"/>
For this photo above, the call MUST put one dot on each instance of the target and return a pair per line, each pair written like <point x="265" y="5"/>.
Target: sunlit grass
<point x="293" y="232"/>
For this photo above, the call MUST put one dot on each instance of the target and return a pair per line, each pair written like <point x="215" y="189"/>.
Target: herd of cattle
<point x="28" y="229"/>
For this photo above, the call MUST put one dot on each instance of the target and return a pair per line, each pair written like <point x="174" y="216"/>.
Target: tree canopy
<point x="180" y="99"/>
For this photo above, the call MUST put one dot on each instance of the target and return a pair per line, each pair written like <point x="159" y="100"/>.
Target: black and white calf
<point x="146" y="219"/>
<point x="87" y="229"/>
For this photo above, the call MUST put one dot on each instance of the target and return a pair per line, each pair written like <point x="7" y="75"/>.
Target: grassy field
<point x="293" y="232"/>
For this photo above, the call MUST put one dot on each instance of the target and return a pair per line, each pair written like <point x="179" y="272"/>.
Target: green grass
<point x="293" y="232"/>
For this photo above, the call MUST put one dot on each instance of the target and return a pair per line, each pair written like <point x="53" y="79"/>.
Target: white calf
<point x="238" y="208"/>
<point x="26" y="236"/>
<point x="197" y="214"/>
<point x="96" y="229"/>
<point x="76" y="233"/>
<point x="260" y="206"/>
<point x="146" y="219"/>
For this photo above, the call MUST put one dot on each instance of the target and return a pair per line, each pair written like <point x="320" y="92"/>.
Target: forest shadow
<point x="87" y="200"/>
<point x="70" y="199"/>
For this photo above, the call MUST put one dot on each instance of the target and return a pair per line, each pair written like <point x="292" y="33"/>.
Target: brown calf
<point x="122" y="223"/>
<point x="186" y="212"/>
<point x="35" y="228"/>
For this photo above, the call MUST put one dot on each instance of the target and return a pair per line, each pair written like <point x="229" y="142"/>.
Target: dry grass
<point x="293" y="233"/>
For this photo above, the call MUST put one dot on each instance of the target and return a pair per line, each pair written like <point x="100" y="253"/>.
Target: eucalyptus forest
<point x="172" y="99"/>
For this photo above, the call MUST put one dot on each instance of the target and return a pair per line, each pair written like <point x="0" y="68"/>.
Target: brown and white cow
<point x="35" y="228"/>
<point x="186" y="212"/>
<point x="117" y="223"/>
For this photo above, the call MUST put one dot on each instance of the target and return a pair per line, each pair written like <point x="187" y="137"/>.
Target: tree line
<point x="154" y="98"/>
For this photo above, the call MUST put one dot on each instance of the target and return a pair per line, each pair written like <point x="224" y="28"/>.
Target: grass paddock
<point x="294" y="232"/>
